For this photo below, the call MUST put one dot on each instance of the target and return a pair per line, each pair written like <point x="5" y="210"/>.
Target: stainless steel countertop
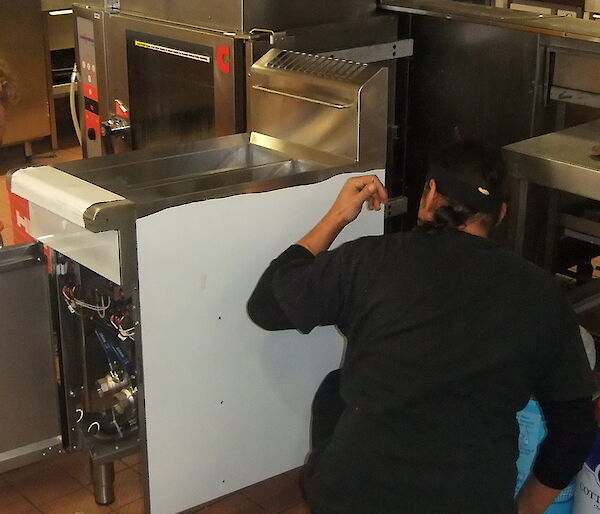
<point x="553" y="25"/>
<point x="559" y="160"/>
<point x="155" y="179"/>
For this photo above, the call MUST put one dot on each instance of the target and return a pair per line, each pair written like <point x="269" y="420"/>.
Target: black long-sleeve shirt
<point x="448" y="337"/>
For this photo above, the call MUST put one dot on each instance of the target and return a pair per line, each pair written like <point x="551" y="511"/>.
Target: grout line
<point x="35" y="507"/>
<point x="262" y="507"/>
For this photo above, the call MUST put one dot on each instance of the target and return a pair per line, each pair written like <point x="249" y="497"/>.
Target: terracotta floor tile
<point x="233" y="504"/>
<point x="301" y="508"/>
<point x="81" y="501"/>
<point x="140" y="468"/>
<point x="296" y="474"/>
<point x="12" y="502"/>
<point x="137" y="507"/>
<point x="119" y="466"/>
<point x="128" y="488"/>
<point x="37" y="469"/>
<point x="77" y="465"/>
<point x="132" y="460"/>
<point x="42" y="490"/>
<point x="275" y="494"/>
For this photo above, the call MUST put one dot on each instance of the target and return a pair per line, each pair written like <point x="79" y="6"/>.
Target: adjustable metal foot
<point x="103" y="478"/>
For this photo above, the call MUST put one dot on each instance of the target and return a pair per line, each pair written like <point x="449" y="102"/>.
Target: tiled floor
<point x="63" y="486"/>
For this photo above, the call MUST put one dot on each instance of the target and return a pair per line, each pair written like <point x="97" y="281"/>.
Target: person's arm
<point x="535" y="497"/>
<point x="571" y="432"/>
<point x="564" y="390"/>
<point x="345" y="209"/>
<point x="266" y="310"/>
<point x="263" y="307"/>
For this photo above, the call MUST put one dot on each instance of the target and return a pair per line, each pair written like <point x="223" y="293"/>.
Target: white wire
<point x="100" y="309"/>
<point x="125" y="332"/>
<point x="116" y="424"/>
<point x="74" y="78"/>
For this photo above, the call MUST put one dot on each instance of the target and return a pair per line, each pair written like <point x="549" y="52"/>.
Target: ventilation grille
<point x="339" y="69"/>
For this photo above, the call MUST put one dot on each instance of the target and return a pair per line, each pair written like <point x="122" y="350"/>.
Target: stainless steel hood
<point x="245" y="15"/>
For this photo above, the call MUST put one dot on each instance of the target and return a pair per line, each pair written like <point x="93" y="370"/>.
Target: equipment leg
<point x="103" y="477"/>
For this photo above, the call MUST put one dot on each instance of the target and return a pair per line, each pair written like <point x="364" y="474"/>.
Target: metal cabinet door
<point x="29" y="405"/>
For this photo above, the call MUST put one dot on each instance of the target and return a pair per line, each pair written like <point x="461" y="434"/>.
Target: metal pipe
<point x="103" y="478"/>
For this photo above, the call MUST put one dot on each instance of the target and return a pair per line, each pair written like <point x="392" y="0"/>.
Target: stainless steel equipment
<point x="163" y="72"/>
<point x="312" y="118"/>
<point x="309" y="114"/>
<point x="556" y="206"/>
<point x="561" y="162"/>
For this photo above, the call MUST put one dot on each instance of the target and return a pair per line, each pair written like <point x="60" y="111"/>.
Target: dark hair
<point x="475" y="165"/>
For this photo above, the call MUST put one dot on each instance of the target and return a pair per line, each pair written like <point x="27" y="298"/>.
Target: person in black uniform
<point x="448" y="336"/>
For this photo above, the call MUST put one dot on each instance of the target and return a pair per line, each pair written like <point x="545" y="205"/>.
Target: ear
<point x="502" y="213"/>
<point x="431" y="194"/>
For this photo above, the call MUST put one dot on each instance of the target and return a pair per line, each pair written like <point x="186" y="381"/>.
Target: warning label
<point x="172" y="51"/>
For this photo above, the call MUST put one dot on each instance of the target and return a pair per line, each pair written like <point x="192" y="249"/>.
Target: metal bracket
<point x="375" y="53"/>
<point x="396" y="206"/>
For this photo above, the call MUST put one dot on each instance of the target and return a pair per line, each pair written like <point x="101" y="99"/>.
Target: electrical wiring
<point x="124" y="333"/>
<point x="113" y="351"/>
<point x="73" y="301"/>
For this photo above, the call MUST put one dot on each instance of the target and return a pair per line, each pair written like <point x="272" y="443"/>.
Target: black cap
<point x="477" y="198"/>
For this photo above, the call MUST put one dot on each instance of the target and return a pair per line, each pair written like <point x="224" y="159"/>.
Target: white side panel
<point x="58" y="192"/>
<point x="98" y="252"/>
<point x="227" y="404"/>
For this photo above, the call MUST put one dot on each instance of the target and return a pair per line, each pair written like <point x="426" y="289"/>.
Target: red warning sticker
<point x="19" y="213"/>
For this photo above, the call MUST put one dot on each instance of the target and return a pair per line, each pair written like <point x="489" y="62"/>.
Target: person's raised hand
<point x="355" y="193"/>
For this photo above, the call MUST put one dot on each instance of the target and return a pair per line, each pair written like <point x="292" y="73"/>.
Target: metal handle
<point x="304" y="98"/>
